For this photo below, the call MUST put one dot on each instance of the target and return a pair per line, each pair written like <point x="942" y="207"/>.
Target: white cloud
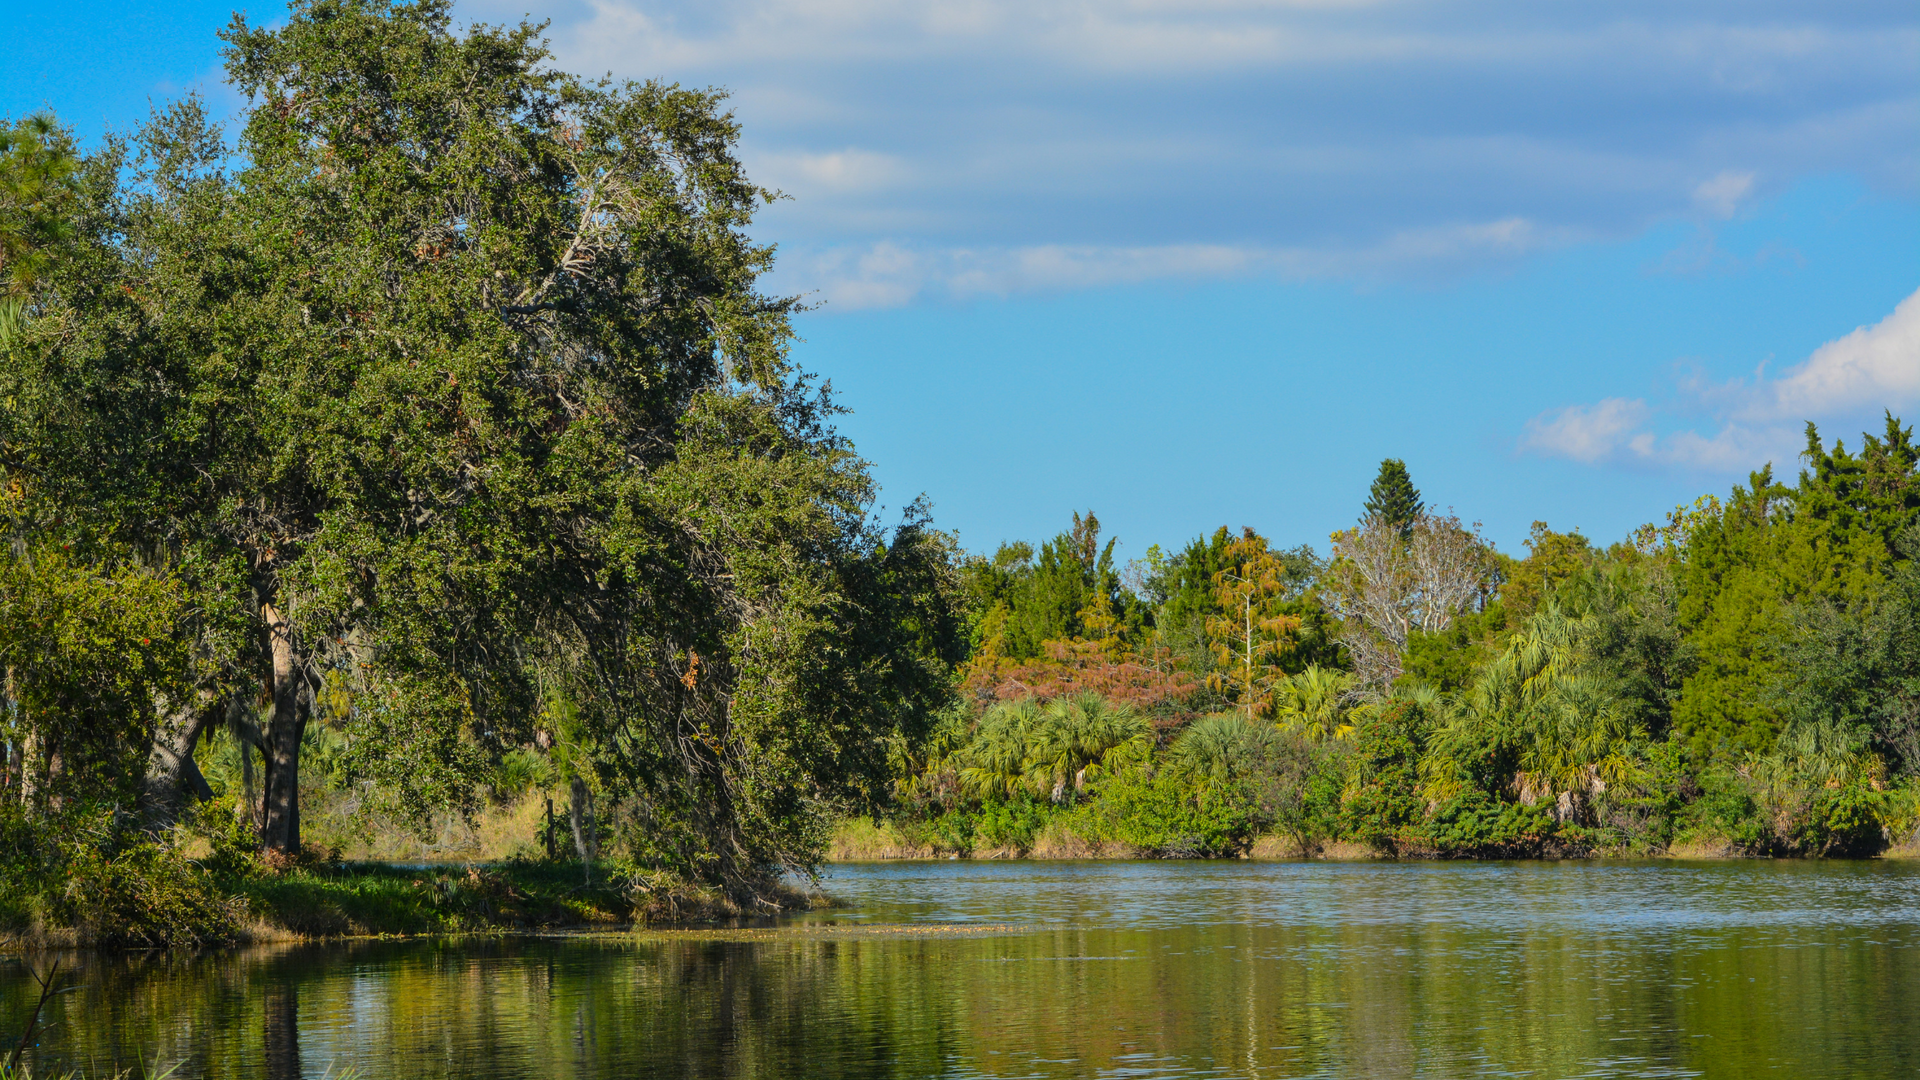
<point x="1735" y="448"/>
<point x="1587" y="433"/>
<point x="1721" y="195"/>
<point x="851" y="170"/>
<point x="1874" y="367"/>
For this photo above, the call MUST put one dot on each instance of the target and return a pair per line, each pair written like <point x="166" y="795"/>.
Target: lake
<point x="1123" y="969"/>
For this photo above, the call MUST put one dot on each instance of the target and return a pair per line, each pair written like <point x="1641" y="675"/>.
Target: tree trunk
<point x="280" y="803"/>
<point x="586" y="837"/>
<point x="30" y="786"/>
<point x="173" y="779"/>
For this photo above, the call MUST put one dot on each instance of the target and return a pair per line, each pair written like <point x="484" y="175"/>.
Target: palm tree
<point x="1314" y="702"/>
<point x="1074" y="735"/>
<point x="995" y="762"/>
<point x="1543" y="701"/>
<point x="1222" y="748"/>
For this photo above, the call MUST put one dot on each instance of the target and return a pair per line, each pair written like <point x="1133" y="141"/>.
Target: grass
<point x="27" y="1073"/>
<point x="358" y="899"/>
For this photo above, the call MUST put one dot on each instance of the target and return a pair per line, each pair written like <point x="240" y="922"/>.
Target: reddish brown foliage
<point x="1074" y="667"/>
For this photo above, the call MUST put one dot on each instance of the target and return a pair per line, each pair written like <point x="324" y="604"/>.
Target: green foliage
<point x="1165" y="816"/>
<point x="1021" y="600"/>
<point x="94" y="652"/>
<point x="1552" y="559"/>
<point x="520" y="771"/>
<point x="1447" y="659"/>
<point x="1223" y="750"/>
<point x="1393" y="500"/>
<point x="450" y="389"/>
<point x="1299" y="786"/>
<point x="1381" y="802"/>
<point x="1185" y="588"/>
<point x="1478" y="825"/>
<point x="1829" y="538"/>
<point x="233" y="851"/>
<point x="1010" y="823"/>
<point x="37" y="192"/>
<point x="1075" y="736"/>
<point x="141" y="894"/>
<point x="1745" y="679"/>
<point x="1856" y="666"/>
<point x="1050" y="750"/>
<point x="1314" y="702"/>
<point x="86" y="870"/>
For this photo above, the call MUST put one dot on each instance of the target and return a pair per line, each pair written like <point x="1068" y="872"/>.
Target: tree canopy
<point x="452" y="387"/>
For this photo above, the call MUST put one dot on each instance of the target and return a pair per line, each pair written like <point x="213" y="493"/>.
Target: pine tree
<point x="1394" y="499"/>
<point x="36" y="193"/>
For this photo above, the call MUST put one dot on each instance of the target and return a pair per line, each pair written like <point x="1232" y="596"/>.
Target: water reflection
<point x="983" y="970"/>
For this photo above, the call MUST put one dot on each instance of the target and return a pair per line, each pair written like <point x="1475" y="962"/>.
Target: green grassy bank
<point x="85" y="880"/>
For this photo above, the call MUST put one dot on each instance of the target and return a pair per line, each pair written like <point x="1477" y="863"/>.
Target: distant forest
<point x="1743" y="677"/>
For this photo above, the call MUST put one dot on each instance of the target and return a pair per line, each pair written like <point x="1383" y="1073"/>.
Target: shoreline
<point x="861" y="840"/>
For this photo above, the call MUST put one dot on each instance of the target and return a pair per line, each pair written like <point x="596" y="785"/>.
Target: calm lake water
<point x="960" y="969"/>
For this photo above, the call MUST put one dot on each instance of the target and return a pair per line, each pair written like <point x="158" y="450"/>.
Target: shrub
<point x="1477" y="825"/>
<point x="1009" y="824"/>
<point x="952" y="832"/>
<point x="1842" y="820"/>
<point x="121" y="888"/>
<point x="1382" y="801"/>
<point x="25" y="851"/>
<point x="1299" y="786"/>
<point x="233" y="849"/>
<point x="1165" y="817"/>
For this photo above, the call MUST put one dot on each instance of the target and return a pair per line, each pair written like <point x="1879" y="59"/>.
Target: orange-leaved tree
<point x="1252" y="635"/>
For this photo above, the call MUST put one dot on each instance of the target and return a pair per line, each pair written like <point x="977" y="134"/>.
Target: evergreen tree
<point x="36" y="193"/>
<point x="1394" y="499"/>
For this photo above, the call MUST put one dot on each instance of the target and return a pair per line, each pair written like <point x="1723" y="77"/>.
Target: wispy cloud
<point x="1036" y="144"/>
<point x="1586" y="433"/>
<point x="1722" y="195"/>
<point x="1759" y="419"/>
<point x="888" y="274"/>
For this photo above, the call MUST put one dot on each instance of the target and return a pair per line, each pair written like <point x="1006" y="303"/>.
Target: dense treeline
<point x="1744" y="677"/>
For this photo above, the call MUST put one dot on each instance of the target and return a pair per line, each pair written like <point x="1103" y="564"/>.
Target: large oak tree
<point x="454" y="386"/>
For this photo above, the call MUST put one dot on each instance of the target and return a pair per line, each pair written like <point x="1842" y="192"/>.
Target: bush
<point x="1842" y="821"/>
<point x="233" y="849"/>
<point x="1011" y="824"/>
<point x="1477" y="825"/>
<point x="1299" y="788"/>
<point x="26" y="849"/>
<point x="1382" y="804"/>
<point x="122" y="888"/>
<point x="1165" y="817"/>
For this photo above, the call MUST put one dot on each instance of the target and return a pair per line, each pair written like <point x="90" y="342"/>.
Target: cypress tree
<point x="1394" y="499"/>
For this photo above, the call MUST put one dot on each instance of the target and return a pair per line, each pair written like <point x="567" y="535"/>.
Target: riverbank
<point x="865" y="840"/>
<point x="347" y="900"/>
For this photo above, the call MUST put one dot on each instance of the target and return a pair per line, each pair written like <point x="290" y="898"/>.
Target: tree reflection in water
<point x="282" y="1056"/>
<point x="1231" y="969"/>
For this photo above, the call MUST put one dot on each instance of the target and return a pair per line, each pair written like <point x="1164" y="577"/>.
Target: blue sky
<point x="1205" y="263"/>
